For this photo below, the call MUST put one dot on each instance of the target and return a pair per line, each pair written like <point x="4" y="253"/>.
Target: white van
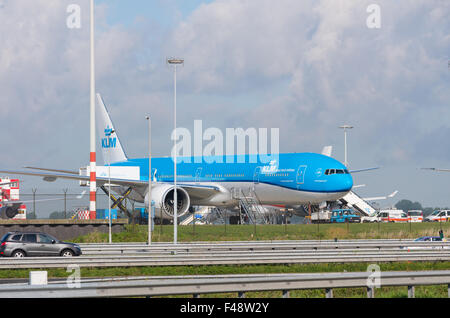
<point x="438" y="216"/>
<point x="392" y="215"/>
<point x="415" y="215"/>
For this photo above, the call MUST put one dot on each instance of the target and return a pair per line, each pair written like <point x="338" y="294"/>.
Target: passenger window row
<point x="31" y="238"/>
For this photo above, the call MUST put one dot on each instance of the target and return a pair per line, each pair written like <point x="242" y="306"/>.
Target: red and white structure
<point x="9" y="190"/>
<point x="83" y="214"/>
<point x="9" y="193"/>
<point x="93" y="179"/>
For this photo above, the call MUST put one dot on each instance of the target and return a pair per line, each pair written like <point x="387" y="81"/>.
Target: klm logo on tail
<point x="109" y="142"/>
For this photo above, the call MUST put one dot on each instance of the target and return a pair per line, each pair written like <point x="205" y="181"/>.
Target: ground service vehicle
<point x="371" y="218"/>
<point x="321" y="217"/>
<point x="438" y="216"/>
<point x="392" y="215"/>
<point x="415" y="215"/>
<point x="21" y="244"/>
<point x="344" y="216"/>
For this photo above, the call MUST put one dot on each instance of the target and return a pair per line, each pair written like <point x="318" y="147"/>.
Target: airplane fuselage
<point x="292" y="178"/>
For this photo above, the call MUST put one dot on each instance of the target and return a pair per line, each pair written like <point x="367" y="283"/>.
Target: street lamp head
<point x="346" y="127"/>
<point x="147" y="117"/>
<point x="175" y="61"/>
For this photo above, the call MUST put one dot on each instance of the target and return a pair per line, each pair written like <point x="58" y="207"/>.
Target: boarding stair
<point x="352" y="200"/>
<point x="203" y="212"/>
<point x="251" y="208"/>
<point x="216" y="215"/>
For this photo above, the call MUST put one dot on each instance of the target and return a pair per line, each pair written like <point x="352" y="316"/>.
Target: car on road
<point x="21" y="244"/>
<point x="428" y="239"/>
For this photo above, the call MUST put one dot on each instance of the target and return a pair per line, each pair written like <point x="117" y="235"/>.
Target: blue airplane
<point x="291" y="179"/>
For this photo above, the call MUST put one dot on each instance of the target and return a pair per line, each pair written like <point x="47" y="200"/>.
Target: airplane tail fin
<point x="112" y="150"/>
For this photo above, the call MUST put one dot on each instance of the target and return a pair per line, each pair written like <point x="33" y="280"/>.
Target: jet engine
<point x="8" y="212"/>
<point x="163" y="196"/>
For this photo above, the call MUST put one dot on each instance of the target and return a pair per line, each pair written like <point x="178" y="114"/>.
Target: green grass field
<point x="139" y="233"/>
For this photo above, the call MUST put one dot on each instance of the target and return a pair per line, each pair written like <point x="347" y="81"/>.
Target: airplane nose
<point x="341" y="183"/>
<point x="347" y="183"/>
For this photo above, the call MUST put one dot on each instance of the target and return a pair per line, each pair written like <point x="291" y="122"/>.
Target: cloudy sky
<point x="305" y="67"/>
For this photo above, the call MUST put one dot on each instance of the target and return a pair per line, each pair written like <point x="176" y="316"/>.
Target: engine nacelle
<point x="8" y="212"/>
<point x="162" y="195"/>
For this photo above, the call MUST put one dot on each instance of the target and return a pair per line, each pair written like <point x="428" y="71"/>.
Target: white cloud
<point x="44" y="79"/>
<point x="302" y="66"/>
<point x="337" y="68"/>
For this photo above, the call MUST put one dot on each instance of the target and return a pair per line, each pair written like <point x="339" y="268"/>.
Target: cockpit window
<point x="336" y="171"/>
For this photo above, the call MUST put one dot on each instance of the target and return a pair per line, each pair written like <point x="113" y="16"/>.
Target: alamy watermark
<point x="74" y="279"/>
<point x="228" y="147"/>
<point x="73" y="20"/>
<point x="374" y="278"/>
<point x="373" y="21"/>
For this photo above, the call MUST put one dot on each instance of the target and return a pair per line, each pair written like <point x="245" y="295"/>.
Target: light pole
<point x="149" y="181"/>
<point x="34" y="201"/>
<point x="65" y="202"/>
<point x="345" y="127"/>
<point x="175" y="62"/>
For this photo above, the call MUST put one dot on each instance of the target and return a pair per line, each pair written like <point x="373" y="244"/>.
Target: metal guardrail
<point x="262" y="245"/>
<point x="231" y="253"/>
<point x="233" y="284"/>
<point x="226" y="258"/>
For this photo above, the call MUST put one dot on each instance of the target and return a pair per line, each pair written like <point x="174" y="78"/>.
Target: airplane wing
<point x="199" y="192"/>
<point x="365" y="169"/>
<point x="382" y="198"/>
<point x="194" y="190"/>
<point x="53" y="176"/>
<point x="436" y="169"/>
<point x="53" y="170"/>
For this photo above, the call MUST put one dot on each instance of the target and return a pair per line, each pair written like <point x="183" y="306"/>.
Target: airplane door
<point x="300" y="179"/>
<point x="198" y="174"/>
<point x="154" y="175"/>
<point x="256" y="175"/>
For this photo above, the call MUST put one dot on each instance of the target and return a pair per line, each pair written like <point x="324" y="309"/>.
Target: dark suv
<point x="21" y="244"/>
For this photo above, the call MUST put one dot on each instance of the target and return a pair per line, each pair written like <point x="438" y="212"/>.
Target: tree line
<point x="407" y="205"/>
